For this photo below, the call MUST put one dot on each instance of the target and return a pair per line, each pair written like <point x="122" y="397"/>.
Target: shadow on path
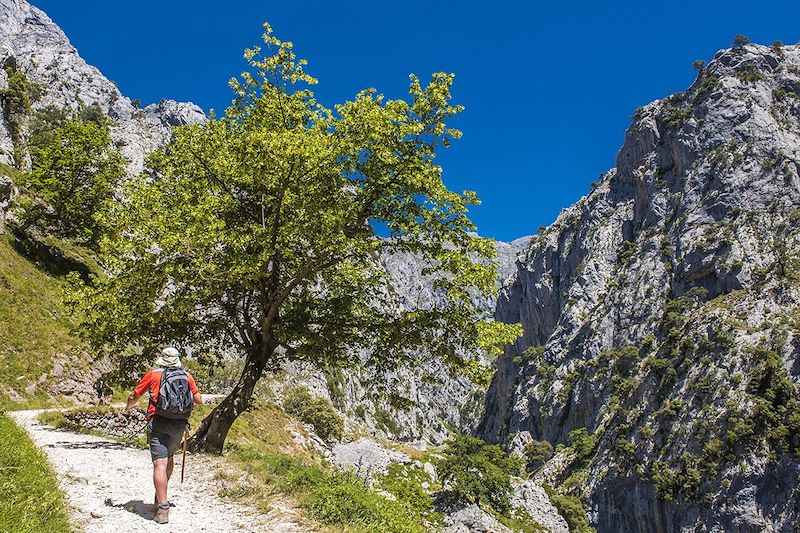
<point x="137" y="507"/>
<point x="89" y="445"/>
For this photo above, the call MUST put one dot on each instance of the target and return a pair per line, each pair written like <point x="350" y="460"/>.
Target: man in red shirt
<point x="164" y="434"/>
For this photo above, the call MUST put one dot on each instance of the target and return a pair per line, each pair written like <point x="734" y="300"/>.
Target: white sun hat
<point x="170" y="357"/>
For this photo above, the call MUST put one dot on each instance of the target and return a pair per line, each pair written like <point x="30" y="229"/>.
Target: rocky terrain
<point x="660" y="314"/>
<point x="32" y="43"/>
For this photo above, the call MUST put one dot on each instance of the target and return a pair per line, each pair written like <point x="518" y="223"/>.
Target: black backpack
<point x="175" y="398"/>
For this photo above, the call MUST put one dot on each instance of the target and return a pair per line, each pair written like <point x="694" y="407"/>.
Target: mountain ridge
<point x="635" y="306"/>
<point x="33" y="43"/>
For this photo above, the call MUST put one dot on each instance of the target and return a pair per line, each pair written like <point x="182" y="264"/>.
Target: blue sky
<point x="549" y="87"/>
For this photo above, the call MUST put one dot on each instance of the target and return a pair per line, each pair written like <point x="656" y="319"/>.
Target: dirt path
<point x="109" y="487"/>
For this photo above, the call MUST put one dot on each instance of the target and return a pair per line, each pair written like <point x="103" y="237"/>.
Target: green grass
<point x="268" y="462"/>
<point x="34" y="327"/>
<point x="30" y="500"/>
<point x="335" y="498"/>
<point x="11" y="172"/>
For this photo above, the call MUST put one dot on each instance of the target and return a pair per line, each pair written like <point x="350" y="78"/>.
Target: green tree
<point x="16" y="98"/>
<point x="74" y="169"/>
<point x="740" y="41"/>
<point x="537" y="452"/>
<point x="476" y="472"/>
<point x="262" y="231"/>
<point x="698" y="65"/>
<point x="777" y="48"/>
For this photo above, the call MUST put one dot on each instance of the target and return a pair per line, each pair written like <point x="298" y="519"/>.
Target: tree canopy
<point x="74" y="170"/>
<point x="258" y="234"/>
<point x="476" y="472"/>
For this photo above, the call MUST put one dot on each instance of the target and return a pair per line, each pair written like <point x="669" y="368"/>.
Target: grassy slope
<point x="270" y="463"/>
<point x="30" y="500"/>
<point x="34" y="326"/>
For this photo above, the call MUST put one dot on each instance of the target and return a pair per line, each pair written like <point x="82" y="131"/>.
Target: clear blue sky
<point x="549" y="87"/>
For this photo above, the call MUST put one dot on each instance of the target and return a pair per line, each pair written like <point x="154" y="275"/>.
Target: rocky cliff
<point x="440" y="403"/>
<point x="661" y="313"/>
<point x="31" y="43"/>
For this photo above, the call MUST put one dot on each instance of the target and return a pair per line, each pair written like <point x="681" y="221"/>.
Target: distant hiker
<point x="173" y="392"/>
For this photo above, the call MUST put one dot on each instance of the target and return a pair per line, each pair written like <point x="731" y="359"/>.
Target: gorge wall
<point x="662" y="314"/>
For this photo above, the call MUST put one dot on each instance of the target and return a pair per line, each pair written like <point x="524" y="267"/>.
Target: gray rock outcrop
<point x="534" y="500"/>
<point x="473" y="519"/>
<point x="660" y="313"/>
<point x="365" y="457"/>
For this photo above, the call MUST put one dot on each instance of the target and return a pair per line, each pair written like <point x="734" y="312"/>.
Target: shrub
<point x="537" y="452"/>
<point x="16" y="98"/>
<point x="706" y="85"/>
<point x="73" y="172"/>
<point x="777" y="48"/>
<point x="685" y="480"/>
<point x="546" y="372"/>
<point x="698" y="64"/>
<point x="674" y="117"/>
<point x="43" y="123"/>
<point x="749" y="75"/>
<point x="775" y="403"/>
<point x="740" y="40"/>
<point x="93" y="113"/>
<point x="582" y="443"/>
<point x="476" y="472"/>
<point x="626" y="253"/>
<point x="404" y="482"/>
<point x="317" y="412"/>
<point x="623" y="359"/>
<point x="571" y="508"/>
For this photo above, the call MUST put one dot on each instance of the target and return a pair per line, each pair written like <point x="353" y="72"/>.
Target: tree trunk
<point x="210" y="436"/>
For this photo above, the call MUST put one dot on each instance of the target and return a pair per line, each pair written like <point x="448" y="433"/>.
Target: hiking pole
<point x="185" y="442"/>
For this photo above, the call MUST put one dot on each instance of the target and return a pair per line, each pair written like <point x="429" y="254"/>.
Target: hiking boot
<point x="162" y="513"/>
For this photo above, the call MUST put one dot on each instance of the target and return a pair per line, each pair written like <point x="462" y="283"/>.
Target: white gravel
<point x="109" y="487"/>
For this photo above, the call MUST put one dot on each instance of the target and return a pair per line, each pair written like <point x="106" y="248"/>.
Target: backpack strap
<point x="152" y="400"/>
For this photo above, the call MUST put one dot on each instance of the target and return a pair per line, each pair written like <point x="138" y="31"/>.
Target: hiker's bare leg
<point x="160" y="479"/>
<point x="170" y="466"/>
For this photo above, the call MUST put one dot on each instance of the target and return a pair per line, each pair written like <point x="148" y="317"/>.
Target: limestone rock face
<point x="473" y="519"/>
<point x="660" y="312"/>
<point x="32" y="43"/>
<point x="531" y="497"/>
<point x="441" y="401"/>
<point x="365" y="457"/>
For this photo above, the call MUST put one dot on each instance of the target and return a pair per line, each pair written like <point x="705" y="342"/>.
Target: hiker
<point x="171" y="402"/>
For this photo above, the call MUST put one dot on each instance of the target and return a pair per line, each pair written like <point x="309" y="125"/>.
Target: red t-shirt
<point x="152" y="382"/>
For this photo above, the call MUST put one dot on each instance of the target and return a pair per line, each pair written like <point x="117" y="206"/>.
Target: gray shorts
<point x="165" y="436"/>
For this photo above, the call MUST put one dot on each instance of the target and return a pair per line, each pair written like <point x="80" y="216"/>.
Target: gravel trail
<point x="109" y="487"/>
